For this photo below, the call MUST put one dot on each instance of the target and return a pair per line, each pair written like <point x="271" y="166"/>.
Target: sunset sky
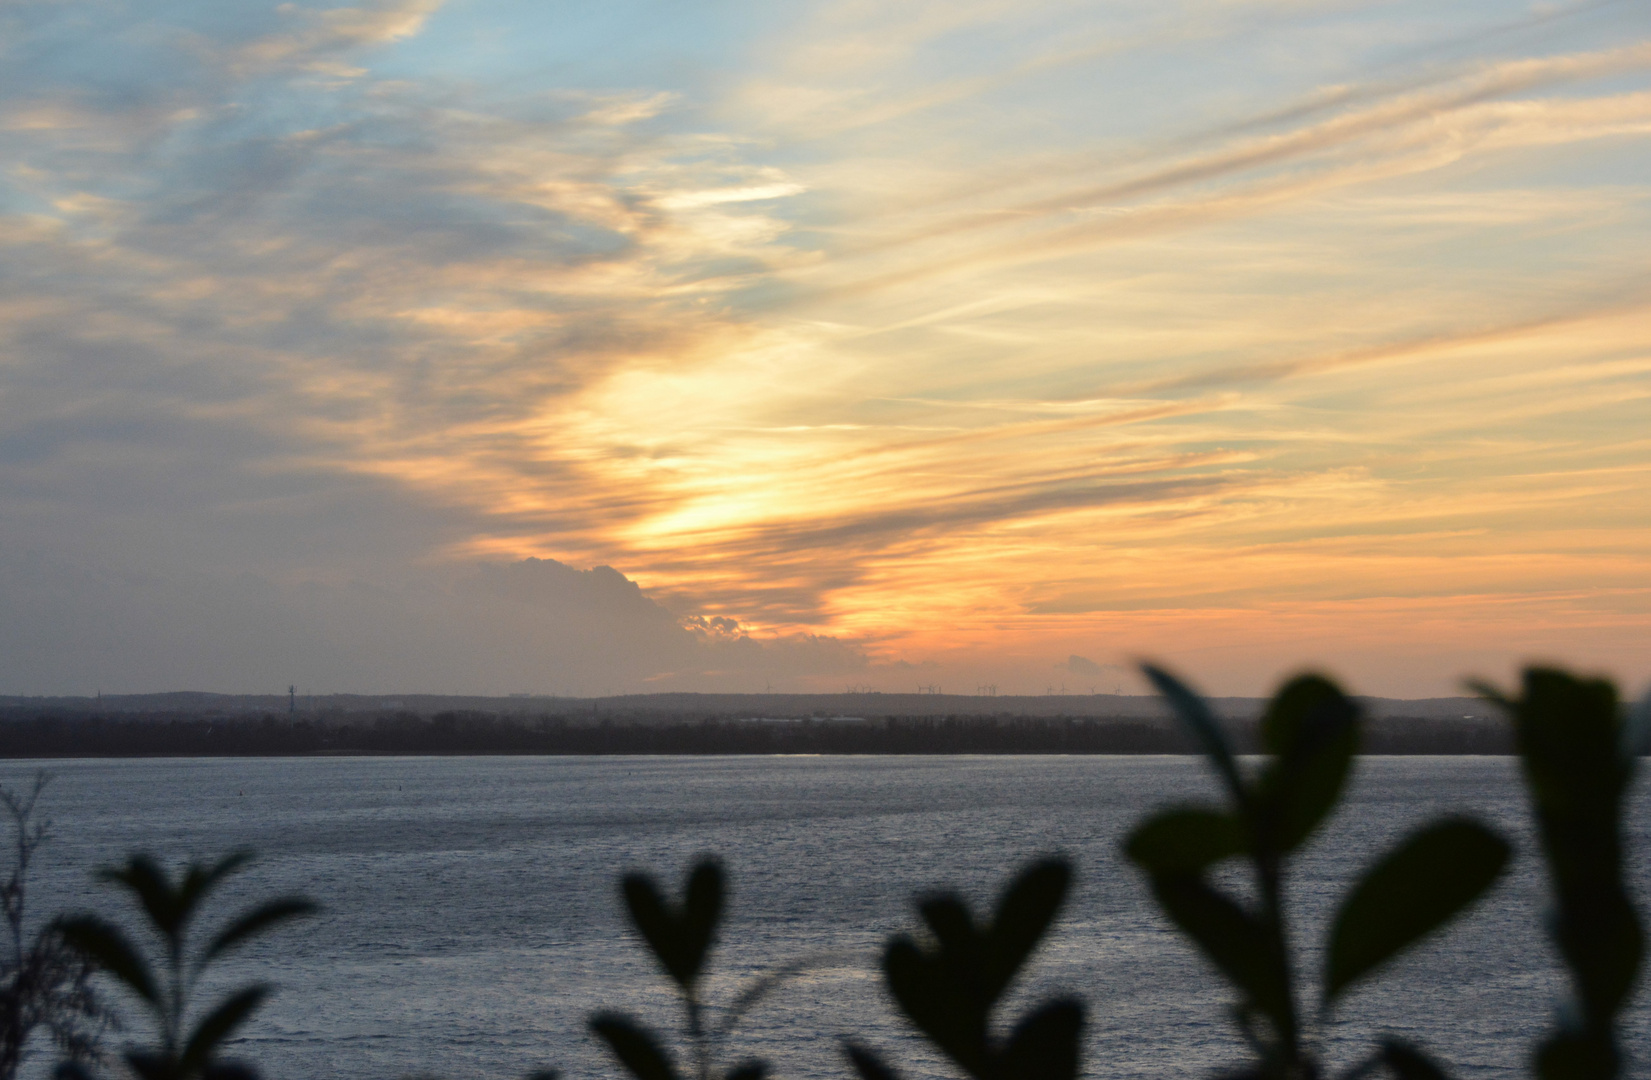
<point x="880" y="344"/>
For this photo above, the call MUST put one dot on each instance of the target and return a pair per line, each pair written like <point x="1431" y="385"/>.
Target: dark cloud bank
<point x="244" y="398"/>
<point x="531" y="626"/>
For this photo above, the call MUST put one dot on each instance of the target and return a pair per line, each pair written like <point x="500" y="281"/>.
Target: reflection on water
<point x="472" y="919"/>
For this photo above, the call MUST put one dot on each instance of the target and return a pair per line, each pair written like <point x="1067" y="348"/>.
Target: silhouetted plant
<point x="1311" y="733"/>
<point x="950" y="990"/>
<point x="680" y="937"/>
<point x="166" y="984"/>
<point x="1579" y="753"/>
<point x="45" y="986"/>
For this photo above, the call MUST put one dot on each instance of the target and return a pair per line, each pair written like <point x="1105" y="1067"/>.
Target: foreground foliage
<point x="45" y="986"/>
<point x="166" y="984"/>
<point x="1578" y="749"/>
<point x="1311" y="732"/>
<point x="680" y="937"/>
<point x="950" y="991"/>
<point x="1579" y="752"/>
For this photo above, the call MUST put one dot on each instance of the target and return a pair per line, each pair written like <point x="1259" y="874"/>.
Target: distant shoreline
<point x="682" y="705"/>
<point x="54" y="733"/>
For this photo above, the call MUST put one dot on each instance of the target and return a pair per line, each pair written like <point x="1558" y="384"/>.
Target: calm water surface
<point x="472" y="922"/>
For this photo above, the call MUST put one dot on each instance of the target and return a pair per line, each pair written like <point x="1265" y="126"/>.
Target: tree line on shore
<point x="26" y="734"/>
<point x="1578" y="748"/>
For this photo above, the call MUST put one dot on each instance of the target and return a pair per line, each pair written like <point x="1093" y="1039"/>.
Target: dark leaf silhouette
<point x="150" y="1065"/>
<point x="750" y="1070"/>
<point x="1195" y="715"/>
<point x="949" y="991"/>
<point x="47" y="989"/>
<point x="634" y="1046"/>
<point x="229" y="1070"/>
<point x="679" y="937"/>
<point x="1235" y="940"/>
<point x="1573" y="743"/>
<point x="1028" y="906"/>
<point x="1577" y="1055"/>
<point x="1311" y="729"/>
<point x="867" y="1064"/>
<point x="170" y="907"/>
<point x="1408" y="1063"/>
<point x="143" y="877"/>
<point x="1185" y="840"/>
<point x="1430" y="877"/>
<point x="167" y="985"/>
<point x="255" y="922"/>
<point x="1045" y="1045"/>
<point x="104" y="945"/>
<point x="218" y="1025"/>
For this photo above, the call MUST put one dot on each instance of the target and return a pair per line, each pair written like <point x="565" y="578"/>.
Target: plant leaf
<point x="1312" y="729"/>
<point x="1569" y="734"/>
<point x="218" y="1025"/>
<point x="651" y="918"/>
<point x="748" y="1070"/>
<point x="1185" y="840"/>
<point x="867" y="1063"/>
<point x="943" y="996"/>
<point x="229" y="1070"/>
<point x="1418" y="886"/>
<point x="108" y="948"/>
<point x="954" y="928"/>
<point x="148" y="1066"/>
<point x="1195" y="715"/>
<point x="679" y="941"/>
<point x="1028" y="906"/>
<point x="145" y="879"/>
<point x="701" y="910"/>
<point x="1293" y="711"/>
<point x="1237" y="942"/>
<point x="199" y="880"/>
<point x="949" y="992"/>
<point x="1409" y="1063"/>
<point x="1575" y="1055"/>
<point x="254" y="922"/>
<point x="1045" y="1045"/>
<point x="634" y="1046"/>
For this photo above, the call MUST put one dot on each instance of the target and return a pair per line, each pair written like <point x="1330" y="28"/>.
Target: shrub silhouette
<point x="45" y="985"/>
<point x="1578" y="752"/>
<point x="680" y="937"/>
<point x="166" y="985"/>
<point x="950" y="991"/>
<point x="1311" y="733"/>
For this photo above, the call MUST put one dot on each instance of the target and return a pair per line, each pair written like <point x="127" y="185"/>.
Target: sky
<point x="498" y="346"/>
